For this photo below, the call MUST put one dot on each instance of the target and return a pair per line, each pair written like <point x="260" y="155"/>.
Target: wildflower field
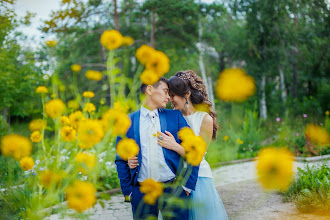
<point x="64" y="102"/>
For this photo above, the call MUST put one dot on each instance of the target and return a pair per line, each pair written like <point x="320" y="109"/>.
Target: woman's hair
<point x="183" y="82"/>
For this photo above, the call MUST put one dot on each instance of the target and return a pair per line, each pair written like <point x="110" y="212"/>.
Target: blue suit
<point x="170" y="120"/>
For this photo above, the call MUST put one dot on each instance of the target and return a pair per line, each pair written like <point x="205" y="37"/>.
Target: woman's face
<point x="178" y="102"/>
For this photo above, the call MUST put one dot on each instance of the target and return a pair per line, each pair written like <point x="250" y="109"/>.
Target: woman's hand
<point x="168" y="141"/>
<point x="133" y="162"/>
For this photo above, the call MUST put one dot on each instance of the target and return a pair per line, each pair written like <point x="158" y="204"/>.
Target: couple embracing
<point x="160" y="156"/>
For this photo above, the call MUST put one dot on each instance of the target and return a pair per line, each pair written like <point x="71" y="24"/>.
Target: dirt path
<point x="246" y="201"/>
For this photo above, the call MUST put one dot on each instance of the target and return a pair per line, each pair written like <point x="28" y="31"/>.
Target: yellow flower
<point x="26" y="163"/>
<point x="73" y="104"/>
<point x="149" y="77"/>
<point x="121" y="107"/>
<point x="16" y="146"/>
<point x="159" y="63"/>
<point x="68" y="133"/>
<point x="195" y="148"/>
<point x="75" y="118"/>
<point x="89" y="107"/>
<point x="239" y="141"/>
<point x="275" y="168"/>
<point x="317" y="135"/>
<point x="90" y="132"/>
<point x="75" y="68"/>
<point x="128" y="41"/>
<point x="65" y="121"/>
<point x="127" y="148"/>
<point x="152" y="190"/>
<point x="81" y="195"/>
<point x="55" y="108"/>
<point x="36" y="137"/>
<point x="234" y="85"/>
<point x="225" y="138"/>
<point x="93" y="75"/>
<point x="88" y="94"/>
<point x="111" y="39"/>
<point x="144" y="53"/>
<point x="185" y="133"/>
<point x="41" y="89"/>
<point x="51" y="43"/>
<point x="203" y="108"/>
<point x="87" y="160"/>
<point x="37" y="125"/>
<point x="117" y="121"/>
<point x="327" y="113"/>
<point x="49" y="178"/>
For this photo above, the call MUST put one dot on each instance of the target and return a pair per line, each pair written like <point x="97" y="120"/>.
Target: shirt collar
<point x="145" y="111"/>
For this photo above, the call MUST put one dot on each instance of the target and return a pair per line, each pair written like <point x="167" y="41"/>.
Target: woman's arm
<point x="207" y="129"/>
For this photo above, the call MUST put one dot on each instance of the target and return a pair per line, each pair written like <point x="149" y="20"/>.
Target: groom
<point x="155" y="162"/>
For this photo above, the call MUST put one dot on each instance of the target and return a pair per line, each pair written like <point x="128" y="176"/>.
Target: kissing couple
<point x="160" y="156"/>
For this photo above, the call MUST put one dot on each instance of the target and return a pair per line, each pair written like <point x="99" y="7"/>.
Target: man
<point x="154" y="161"/>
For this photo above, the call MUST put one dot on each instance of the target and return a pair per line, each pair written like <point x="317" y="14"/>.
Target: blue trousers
<point x="178" y="209"/>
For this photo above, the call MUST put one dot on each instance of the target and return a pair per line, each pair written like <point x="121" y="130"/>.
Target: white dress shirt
<point x="165" y="173"/>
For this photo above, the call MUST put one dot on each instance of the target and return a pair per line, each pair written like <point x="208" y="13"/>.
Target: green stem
<point x="43" y="128"/>
<point x="135" y="84"/>
<point x="111" y="77"/>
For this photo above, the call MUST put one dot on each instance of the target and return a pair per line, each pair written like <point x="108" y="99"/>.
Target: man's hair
<point x="143" y="87"/>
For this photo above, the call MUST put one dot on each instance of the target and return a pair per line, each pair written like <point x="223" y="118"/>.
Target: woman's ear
<point x="187" y="96"/>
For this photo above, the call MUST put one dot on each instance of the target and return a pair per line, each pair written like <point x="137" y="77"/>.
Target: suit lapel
<point x="136" y="124"/>
<point x="163" y="128"/>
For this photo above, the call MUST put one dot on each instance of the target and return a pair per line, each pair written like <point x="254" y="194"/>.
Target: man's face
<point x="159" y="95"/>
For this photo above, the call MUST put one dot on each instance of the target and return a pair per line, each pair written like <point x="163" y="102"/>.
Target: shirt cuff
<point x="186" y="189"/>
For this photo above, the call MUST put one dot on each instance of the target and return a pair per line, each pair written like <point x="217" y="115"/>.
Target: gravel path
<point x="242" y="197"/>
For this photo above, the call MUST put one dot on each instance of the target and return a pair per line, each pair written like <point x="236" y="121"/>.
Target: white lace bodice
<point x="195" y="121"/>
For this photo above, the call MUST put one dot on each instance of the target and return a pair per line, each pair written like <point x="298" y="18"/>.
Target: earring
<point x="187" y="102"/>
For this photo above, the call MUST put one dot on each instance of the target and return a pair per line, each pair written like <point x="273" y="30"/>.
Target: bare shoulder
<point x="207" y="120"/>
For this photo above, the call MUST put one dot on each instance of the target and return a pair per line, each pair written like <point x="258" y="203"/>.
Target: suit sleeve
<point x="192" y="179"/>
<point x="124" y="174"/>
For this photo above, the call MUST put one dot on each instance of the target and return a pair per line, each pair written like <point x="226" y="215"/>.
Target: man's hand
<point x="187" y="193"/>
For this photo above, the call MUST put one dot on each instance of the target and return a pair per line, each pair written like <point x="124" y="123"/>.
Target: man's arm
<point x="124" y="174"/>
<point x="192" y="180"/>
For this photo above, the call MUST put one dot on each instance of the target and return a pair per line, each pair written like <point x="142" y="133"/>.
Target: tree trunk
<point x="282" y="84"/>
<point x="153" y="29"/>
<point x="263" y="107"/>
<point x="210" y="91"/>
<point x="116" y="15"/>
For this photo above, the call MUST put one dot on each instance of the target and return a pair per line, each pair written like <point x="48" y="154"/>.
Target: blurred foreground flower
<point x="89" y="107"/>
<point x="194" y="146"/>
<point x="73" y="104"/>
<point x="51" y="43"/>
<point x="225" y="138"/>
<point x="75" y="118"/>
<point x="128" y="41"/>
<point x="54" y="108"/>
<point x="275" y="168"/>
<point x="49" y="178"/>
<point x="68" y="133"/>
<point x="75" y="68"/>
<point x="111" y="39"/>
<point x="152" y="190"/>
<point x="41" y="89"/>
<point x="117" y="121"/>
<point x="26" y="163"/>
<point x="36" y="137"/>
<point x="144" y="53"/>
<point x="158" y="63"/>
<point x="149" y="77"/>
<point x="16" y="145"/>
<point x="65" y="121"/>
<point x="127" y="148"/>
<point x="37" y="125"/>
<point x="317" y="135"/>
<point x="88" y="94"/>
<point x="81" y="195"/>
<point x="90" y="132"/>
<point x="234" y="85"/>
<point x="93" y="75"/>
<point x="86" y="160"/>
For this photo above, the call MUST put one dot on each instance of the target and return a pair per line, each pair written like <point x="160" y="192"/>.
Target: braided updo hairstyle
<point x="183" y="82"/>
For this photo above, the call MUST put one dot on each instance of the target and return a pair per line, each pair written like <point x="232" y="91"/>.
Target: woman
<point x="188" y="94"/>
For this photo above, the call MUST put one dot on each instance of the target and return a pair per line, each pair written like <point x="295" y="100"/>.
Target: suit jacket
<point x="170" y="120"/>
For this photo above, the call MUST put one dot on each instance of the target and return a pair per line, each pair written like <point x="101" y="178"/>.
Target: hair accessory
<point x="187" y="76"/>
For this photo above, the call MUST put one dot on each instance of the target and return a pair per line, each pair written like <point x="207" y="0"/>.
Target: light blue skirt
<point x="205" y="202"/>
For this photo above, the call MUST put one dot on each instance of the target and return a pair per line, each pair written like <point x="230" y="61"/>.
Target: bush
<point x="311" y="191"/>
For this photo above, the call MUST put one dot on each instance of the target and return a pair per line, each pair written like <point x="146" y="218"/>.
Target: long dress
<point x="205" y="200"/>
